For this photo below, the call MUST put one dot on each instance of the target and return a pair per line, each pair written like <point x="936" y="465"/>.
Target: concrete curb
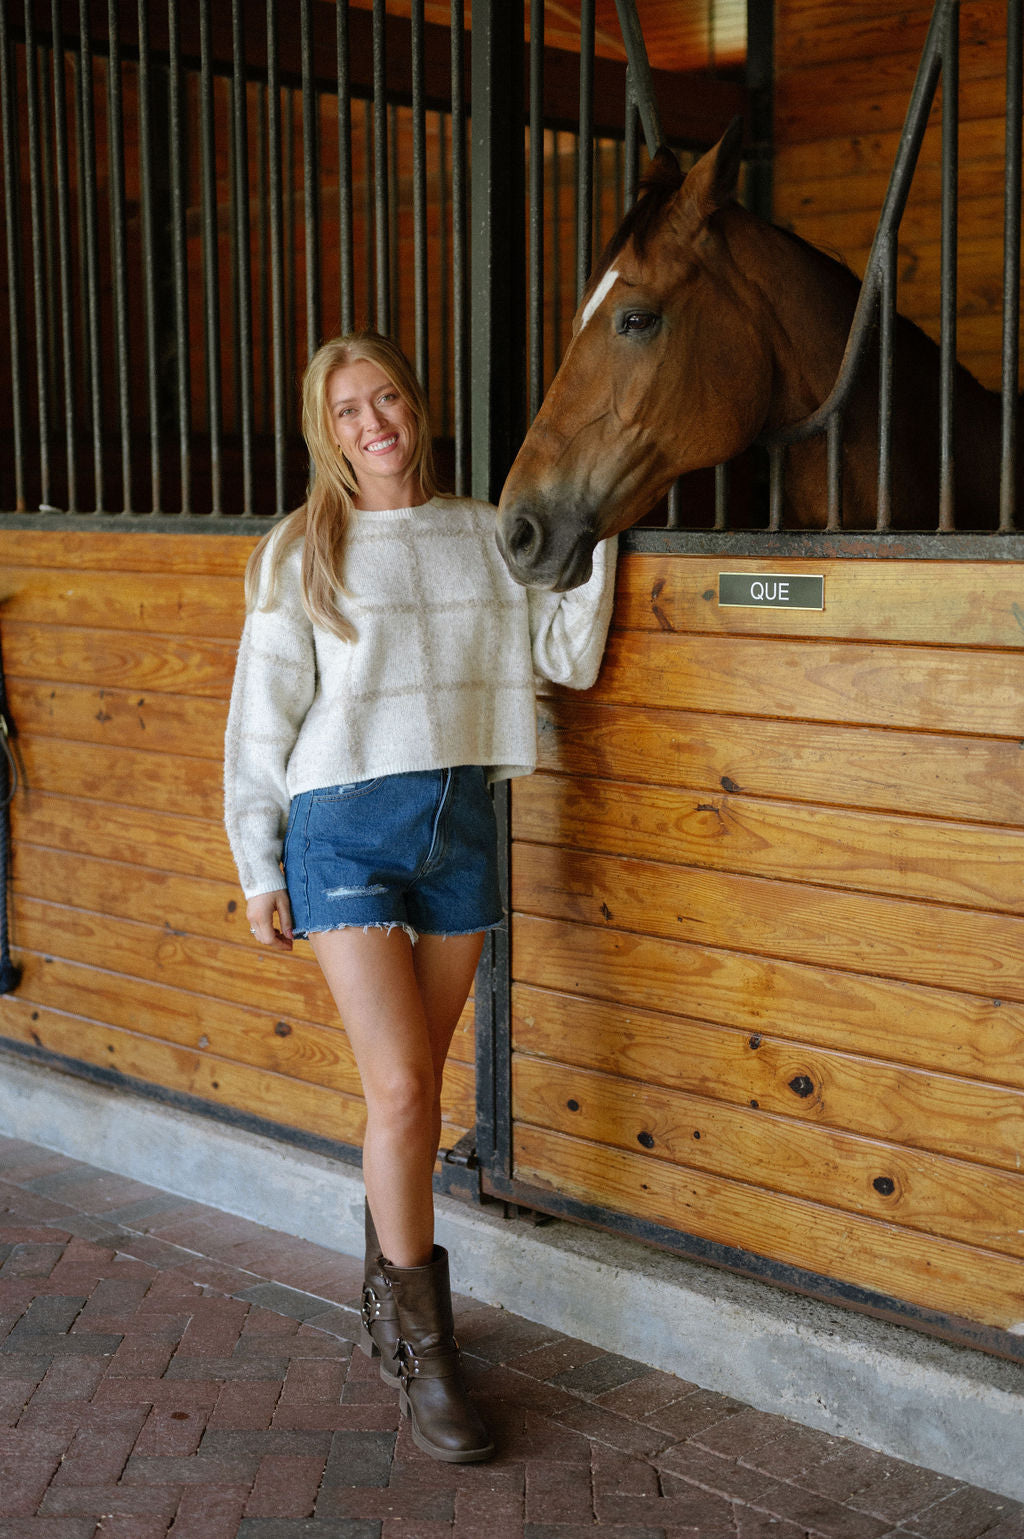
<point x="907" y="1395"/>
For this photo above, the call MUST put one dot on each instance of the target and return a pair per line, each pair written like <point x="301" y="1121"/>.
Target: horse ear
<point x="712" y="182"/>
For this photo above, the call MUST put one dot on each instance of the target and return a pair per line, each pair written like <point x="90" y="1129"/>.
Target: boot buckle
<point x="408" y="1362"/>
<point x="370" y="1307"/>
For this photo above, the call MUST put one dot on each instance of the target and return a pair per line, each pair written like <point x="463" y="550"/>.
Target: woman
<point x="385" y="677"/>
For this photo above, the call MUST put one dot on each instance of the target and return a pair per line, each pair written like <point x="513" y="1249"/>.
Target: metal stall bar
<point x="394" y="191"/>
<point x="948" y="282"/>
<point x="641" y="81"/>
<point x="443" y="270"/>
<point x="242" y="235"/>
<point x="346" y="265"/>
<point x="585" y="150"/>
<point x="38" y="271"/>
<point x="310" y="180"/>
<point x="380" y="171"/>
<point x="421" y="314"/>
<point x="90" y="241"/>
<point x="498" y="392"/>
<point x="1011" y="271"/>
<point x="119" y="253"/>
<point x="261" y="418"/>
<point x="278" y="371"/>
<point x="211" y="268"/>
<point x="179" y="255"/>
<point x="536" y="237"/>
<point x="460" y="272"/>
<point x="148" y="253"/>
<point x="60" y="118"/>
<point x="12" y="230"/>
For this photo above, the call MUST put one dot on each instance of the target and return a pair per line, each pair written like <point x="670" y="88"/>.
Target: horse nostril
<point x="524" y="538"/>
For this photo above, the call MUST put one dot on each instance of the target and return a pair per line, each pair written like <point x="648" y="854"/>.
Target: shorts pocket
<point x="345" y="793"/>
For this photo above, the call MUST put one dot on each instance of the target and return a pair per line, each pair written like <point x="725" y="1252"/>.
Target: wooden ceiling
<point x="680" y="34"/>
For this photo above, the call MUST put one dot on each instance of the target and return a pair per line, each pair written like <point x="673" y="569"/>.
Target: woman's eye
<point x="635" y="321"/>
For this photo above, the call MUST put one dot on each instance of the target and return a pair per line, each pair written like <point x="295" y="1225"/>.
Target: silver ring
<point x="251" y="930"/>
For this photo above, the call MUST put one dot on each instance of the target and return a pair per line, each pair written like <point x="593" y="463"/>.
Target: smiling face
<point x="378" y="432"/>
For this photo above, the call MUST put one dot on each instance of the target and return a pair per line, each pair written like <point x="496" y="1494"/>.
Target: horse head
<point x="667" y="371"/>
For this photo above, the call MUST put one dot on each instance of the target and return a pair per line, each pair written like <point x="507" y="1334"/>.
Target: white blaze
<point x="596" y="298"/>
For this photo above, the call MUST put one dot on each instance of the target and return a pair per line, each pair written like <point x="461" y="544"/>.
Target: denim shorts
<point x="417" y="850"/>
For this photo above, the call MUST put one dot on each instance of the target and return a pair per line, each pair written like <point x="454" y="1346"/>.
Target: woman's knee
<point x="405" y="1100"/>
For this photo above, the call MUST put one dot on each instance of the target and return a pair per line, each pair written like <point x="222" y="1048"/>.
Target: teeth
<point x="385" y="443"/>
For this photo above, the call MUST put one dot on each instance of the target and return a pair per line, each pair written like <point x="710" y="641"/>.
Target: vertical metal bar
<point x="382" y="201"/>
<point x="460" y="272"/>
<point x="835" y="472"/>
<point x="211" y="266"/>
<point x="277" y="321"/>
<point x="722" y="479"/>
<point x="289" y="242"/>
<point x="12" y="230"/>
<point x="261" y="417"/>
<point x="498" y="391"/>
<point x="49" y="245"/>
<point x="886" y="358"/>
<point x="394" y="191"/>
<point x="421" y="315"/>
<point x="90" y="239"/>
<point x="243" y="236"/>
<point x="179" y="255"/>
<point x="346" y="261"/>
<point x="585" y="165"/>
<point x="444" y="274"/>
<point x="536" y="275"/>
<point x="119" y="253"/>
<point x="149" y="255"/>
<point x="38" y="271"/>
<point x="947" y="357"/>
<point x="672" y="517"/>
<point x="369" y="235"/>
<point x="640" y="73"/>
<point x="776" y="472"/>
<point x="556" y="247"/>
<point x="631" y="147"/>
<point x="1011" y="271"/>
<point x="60" y="117"/>
<point x="311" y="180"/>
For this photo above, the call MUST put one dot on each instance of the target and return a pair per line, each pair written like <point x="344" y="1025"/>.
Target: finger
<point x="284" y="910"/>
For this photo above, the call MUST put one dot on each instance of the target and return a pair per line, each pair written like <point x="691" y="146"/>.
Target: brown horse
<point x="702" y="329"/>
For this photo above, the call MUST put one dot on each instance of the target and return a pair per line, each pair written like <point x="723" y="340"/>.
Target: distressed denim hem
<point x="386" y="925"/>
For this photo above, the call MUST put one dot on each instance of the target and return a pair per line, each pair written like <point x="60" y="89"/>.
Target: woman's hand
<point x="260" y="913"/>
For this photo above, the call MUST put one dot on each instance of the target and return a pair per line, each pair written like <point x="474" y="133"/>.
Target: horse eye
<point x="634" y="322"/>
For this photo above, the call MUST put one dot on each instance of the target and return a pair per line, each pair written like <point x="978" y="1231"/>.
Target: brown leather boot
<point x="379" y="1334"/>
<point x="445" y="1423"/>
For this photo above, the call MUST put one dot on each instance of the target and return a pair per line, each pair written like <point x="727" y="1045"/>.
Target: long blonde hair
<point x="324" y="519"/>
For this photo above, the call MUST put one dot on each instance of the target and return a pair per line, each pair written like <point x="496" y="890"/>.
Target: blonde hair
<point x="324" y="519"/>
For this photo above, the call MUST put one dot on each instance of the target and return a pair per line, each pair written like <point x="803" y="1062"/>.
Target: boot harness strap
<point x="443" y="1365"/>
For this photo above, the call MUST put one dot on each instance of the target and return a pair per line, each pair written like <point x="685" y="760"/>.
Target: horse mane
<point x="658" y="187"/>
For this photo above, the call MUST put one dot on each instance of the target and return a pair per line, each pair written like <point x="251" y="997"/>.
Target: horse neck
<point x="806" y="303"/>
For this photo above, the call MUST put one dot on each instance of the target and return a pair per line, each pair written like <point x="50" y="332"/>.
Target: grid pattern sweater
<point x="442" y="673"/>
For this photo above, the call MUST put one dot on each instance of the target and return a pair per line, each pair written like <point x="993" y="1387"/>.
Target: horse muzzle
<point x="544" y="552"/>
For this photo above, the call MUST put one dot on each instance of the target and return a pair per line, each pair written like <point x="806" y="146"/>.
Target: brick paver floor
<point x="169" y="1370"/>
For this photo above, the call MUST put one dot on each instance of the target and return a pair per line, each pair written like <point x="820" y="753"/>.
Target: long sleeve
<point x="568" y="630"/>
<point x="275" y="680"/>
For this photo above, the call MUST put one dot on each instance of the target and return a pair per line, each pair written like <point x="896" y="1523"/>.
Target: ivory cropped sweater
<point x="442" y="673"/>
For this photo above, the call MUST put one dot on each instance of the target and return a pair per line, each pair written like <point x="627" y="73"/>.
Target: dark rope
<point x="10" y="975"/>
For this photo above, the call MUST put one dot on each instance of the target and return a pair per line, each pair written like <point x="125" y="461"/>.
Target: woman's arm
<point x="568" y="630"/>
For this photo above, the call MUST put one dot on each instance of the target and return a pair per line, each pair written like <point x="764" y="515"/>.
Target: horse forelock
<point x="657" y="189"/>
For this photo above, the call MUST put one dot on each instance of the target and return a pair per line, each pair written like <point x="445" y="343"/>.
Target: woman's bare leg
<point x="400" y="1007"/>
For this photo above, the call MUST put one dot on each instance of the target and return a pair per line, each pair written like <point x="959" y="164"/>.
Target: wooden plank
<point x="169" y="603"/>
<point x="131" y="776"/>
<point x="916" y="942"/>
<point x="858" y="153"/>
<point x="975" y="1036"/>
<point x="840" y="96"/>
<point x="933" y="689"/>
<point x="979" y="288"/>
<point x="302" y="1050"/>
<point x="84" y="713"/>
<point x="846" y="231"/>
<point x="840" y="1089"/>
<point x="160" y="841"/>
<point x="812" y="35"/>
<point x="928" y="1192"/>
<point x="977" y="779"/>
<point x="111" y="659"/>
<point x="825" y="189"/>
<point x="192" y="553"/>
<point x="960" y="863"/>
<point x="978" y="604"/>
<point x="936" y="1274"/>
<point x="290" y="987"/>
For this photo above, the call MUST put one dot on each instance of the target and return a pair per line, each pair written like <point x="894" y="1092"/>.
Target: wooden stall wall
<point x="767" y="929"/>
<point x="127" y="919"/>
<point x="844" y="74"/>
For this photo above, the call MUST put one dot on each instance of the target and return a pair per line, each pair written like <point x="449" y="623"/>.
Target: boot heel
<point x="366" y="1343"/>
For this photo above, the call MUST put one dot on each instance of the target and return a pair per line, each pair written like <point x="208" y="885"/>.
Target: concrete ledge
<point x="886" y="1387"/>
